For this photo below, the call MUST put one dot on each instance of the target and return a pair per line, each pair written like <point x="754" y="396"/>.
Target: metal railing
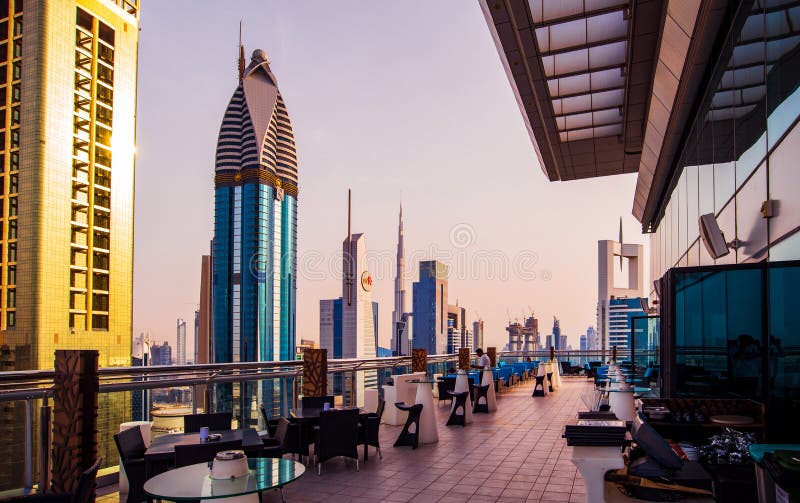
<point x="32" y="385"/>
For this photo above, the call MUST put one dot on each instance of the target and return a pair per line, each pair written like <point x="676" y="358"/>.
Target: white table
<point x="541" y="371"/>
<point x="403" y="392"/>
<point x="487" y="378"/>
<point x="593" y="463"/>
<point x="462" y="385"/>
<point x="556" y="375"/>
<point x="428" y="427"/>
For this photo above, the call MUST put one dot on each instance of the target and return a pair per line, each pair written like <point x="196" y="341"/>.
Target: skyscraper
<point x="583" y="345"/>
<point x="67" y="115"/>
<point x="612" y="292"/>
<point x="399" y="342"/>
<point x="458" y="335"/>
<point x="254" y="252"/>
<point x="556" y="334"/>
<point x="180" y="348"/>
<point x="620" y="314"/>
<point x="331" y="332"/>
<point x="430" y="308"/>
<point x="161" y="355"/>
<point x="477" y="334"/>
<point x="202" y="341"/>
<point x="592" y="341"/>
<point x="358" y="333"/>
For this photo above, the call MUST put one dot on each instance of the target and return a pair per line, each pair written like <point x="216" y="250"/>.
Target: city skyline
<point x="438" y="154"/>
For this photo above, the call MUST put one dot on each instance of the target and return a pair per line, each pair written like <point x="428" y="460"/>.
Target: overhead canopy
<point x="582" y="73"/>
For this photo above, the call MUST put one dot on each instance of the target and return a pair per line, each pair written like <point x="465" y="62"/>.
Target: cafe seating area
<point x="513" y="454"/>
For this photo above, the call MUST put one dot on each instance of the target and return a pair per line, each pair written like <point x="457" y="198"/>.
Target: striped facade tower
<point x="254" y="252"/>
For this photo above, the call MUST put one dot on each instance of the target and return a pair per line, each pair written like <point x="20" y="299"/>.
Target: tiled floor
<point x="515" y="454"/>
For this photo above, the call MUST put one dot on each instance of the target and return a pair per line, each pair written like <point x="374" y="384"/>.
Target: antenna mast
<point x="349" y="259"/>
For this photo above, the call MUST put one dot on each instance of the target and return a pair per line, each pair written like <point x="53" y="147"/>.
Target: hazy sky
<point x="387" y="98"/>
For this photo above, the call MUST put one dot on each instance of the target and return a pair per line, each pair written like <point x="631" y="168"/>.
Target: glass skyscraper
<point x="254" y="251"/>
<point x="430" y="308"/>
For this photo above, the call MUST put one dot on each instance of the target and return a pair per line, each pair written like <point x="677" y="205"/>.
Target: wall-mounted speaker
<point x="712" y="236"/>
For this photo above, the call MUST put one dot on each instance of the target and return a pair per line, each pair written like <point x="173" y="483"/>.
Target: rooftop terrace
<point x="514" y="454"/>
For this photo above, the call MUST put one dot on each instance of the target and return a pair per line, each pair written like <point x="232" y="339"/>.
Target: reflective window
<point x="718" y="333"/>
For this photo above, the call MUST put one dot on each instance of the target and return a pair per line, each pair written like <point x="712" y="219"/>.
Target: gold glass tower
<point x="68" y="72"/>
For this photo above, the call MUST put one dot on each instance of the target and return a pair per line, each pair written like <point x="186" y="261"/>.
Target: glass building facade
<point x="734" y="331"/>
<point x="254" y="251"/>
<point x="742" y="147"/>
<point x="620" y="315"/>
<point x="729" y="324"/>
<point x="430" y="308"/>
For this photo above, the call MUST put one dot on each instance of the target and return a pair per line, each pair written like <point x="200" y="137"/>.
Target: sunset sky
<point x="393" y="100"/>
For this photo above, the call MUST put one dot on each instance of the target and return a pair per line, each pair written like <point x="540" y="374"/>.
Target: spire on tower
<point x="241" y="54"/>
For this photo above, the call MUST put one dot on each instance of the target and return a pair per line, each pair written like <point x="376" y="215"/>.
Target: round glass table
<point x="194" y="482"/>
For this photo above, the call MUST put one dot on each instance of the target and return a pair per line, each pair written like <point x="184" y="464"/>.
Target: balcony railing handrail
<point x="36" y="384"/>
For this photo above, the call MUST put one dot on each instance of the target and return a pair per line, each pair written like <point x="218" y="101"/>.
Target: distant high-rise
<point x="592" y="341"/>
<point x="607" y="254"/>
<point x="331" y="333"/>
<point x="180" y="346"/>
<point x="523" y="337"/>
<point x="458" y="335"/>
<point x="556" y="334"/>
<point x="359" y="314"/>
<point x="549" y="342"/>
<point x="399" y="338"/>
<point x="477" y="334"/>
<point x="583" y="345"/>
<point x="68" y="121"/>
<point x="620" y="314"/>
<point x="531" y="332"/>
<point x="202" y="342"/>
<point x="515" y="337"/>
<point x="562" y="342"/>
<point x="430" y="308"/>
<point x="161" y="354"/>
<point x="254" y="252"/>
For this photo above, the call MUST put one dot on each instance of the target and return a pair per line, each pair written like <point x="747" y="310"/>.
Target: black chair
<point x="369" y="429"/>
<point x="444" y="386"/>
<point x="481" y="392"/>
<point x="461" y="402"/>
<point x="550" y="382"/>
<point x="192" y="454"/>
<point x="316" y="402"/>
<point x="216" y="422"/>
<point x="83" y="493"/>
<point x="270" y="424"/>
<point x="337" y="435"/>
<point x="272" y="447"/>
<point x="131" y="448"/>
<point x="406" y="437"/>
<point x="539" y="384"/>
<point x="287" y="437"/>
